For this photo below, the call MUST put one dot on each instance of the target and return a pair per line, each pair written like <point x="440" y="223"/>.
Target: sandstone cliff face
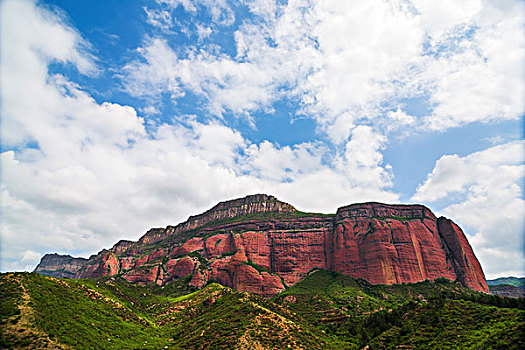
<point x="389" y="244"/>
<point x="261" y="245"/>
<point x="466" y="266"/>
<point x="258" y="203"/>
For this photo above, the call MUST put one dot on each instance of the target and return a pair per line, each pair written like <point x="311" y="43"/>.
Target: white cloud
<point x="188" y="5"/>
<point x="96" y="175"/>
<point x="220" y="11"/>
<point x="229" y="86"/>
<point x="478" y="72"/>
<point x="203" y="32"/>
<point x="264" y="8"/>
<point x="150" y="110"/>
<point x="398" y="118"/>
<point x="330" y="76"/>
<point x="341" y="128"/>
<point x="439" y="17"/>
<point x="39" y="38"/>
<point x="354" y="75"/>
<point x="159" y="18"/>
<point x="488" y="188"/>
<point x="31" y="256"/>
<point x="499" y="166"/>
<point x="283" y="164"/>
<point x="155" y="75"/>
<point x="356" y="60"/>
<point x="363" y="157"/>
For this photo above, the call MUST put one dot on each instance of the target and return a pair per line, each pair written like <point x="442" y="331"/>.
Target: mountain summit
<point x="262" y="245"/>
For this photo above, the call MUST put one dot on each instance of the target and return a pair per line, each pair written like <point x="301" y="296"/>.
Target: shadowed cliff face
<point x="62" y="266"/>
<point x="261" y="245"/>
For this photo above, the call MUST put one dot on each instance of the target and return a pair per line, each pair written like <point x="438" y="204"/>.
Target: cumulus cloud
<point x="354" y="61"/>
<point x="159" y="18"/>
<point x="269" y="161"/>
<point x="482" y="79"/>
<point x="78" y="175"/>
<point x="203" y="32"/>
<point x="39" y="38"/>
<point x="398" y="118"/>
<point x="155" y="74"/>
<point x="484" y="193"/>
<point x="227" y="85"/>
<point x="220" y="10"/>
<point x="362" y="156"/>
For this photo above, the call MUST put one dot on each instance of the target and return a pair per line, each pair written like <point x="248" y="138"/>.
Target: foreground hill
<point x="262" y="245"/>
<point x="326" y="310"/>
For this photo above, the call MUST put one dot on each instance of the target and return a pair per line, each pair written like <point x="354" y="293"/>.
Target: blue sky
<point x="119" y="118"/>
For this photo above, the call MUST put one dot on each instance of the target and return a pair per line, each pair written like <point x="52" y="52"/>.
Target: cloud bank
<point x="81" y="174"/>
<point x="484" y="192"/>
<point x="349" y="63"/>
<point x="77" y="174"/>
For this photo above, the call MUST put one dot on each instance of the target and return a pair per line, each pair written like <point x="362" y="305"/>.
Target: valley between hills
<point x="325" y="310"/>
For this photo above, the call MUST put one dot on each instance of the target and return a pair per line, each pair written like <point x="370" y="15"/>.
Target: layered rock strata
<point x="261" y="245"/>
<point x="62" y="266"/>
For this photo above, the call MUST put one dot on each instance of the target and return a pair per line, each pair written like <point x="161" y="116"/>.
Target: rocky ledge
<point x="261" y="245"/>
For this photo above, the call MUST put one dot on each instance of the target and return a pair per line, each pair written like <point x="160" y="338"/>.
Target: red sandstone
<point x="381" y="243"/>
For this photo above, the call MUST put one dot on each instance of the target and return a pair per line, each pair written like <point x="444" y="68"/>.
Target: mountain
<point x="325" y="310"/>
<point x="262" y="245"/>
<point x="513" y="281"/>
<point x="513" y="287"/>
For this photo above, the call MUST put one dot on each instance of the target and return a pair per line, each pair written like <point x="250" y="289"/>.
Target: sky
<point x="121" y="116"/>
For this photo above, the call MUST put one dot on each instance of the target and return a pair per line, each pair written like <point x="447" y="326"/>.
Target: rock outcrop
<point x="254" y="204"/>
<point x="62" y="266"/>
<point x="261" y="245"/>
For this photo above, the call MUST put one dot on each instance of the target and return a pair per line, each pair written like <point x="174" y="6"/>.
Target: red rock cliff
<point x="466" y="266"/>
<point x="258" y="203"/>
<point x="261" y="245"/>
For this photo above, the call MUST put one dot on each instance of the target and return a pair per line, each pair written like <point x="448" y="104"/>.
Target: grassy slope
<point x="221" y="318"/>
<point x="324" y="311"/>
<point x="111" y="313"/>
<point x="456" y="324"/>
<point x="422" y="315"/>
<point x="89" y="315"/>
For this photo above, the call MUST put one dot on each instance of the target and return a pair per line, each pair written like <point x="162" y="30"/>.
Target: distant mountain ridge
<point x="262" y="245"/>
<point x="513" y="281"/>
<point x="513" y="287"/>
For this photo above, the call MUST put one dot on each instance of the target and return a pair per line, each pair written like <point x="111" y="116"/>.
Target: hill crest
<point x="262" y="245"/>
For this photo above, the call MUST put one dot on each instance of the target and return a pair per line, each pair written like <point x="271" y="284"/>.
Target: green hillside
<point x="513" y="281"/>
<point x="425" y="315"/>
<point x="324" y="311"/>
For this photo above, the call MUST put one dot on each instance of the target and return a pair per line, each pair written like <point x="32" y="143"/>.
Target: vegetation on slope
<point x="456" y="324"/>
<point x="324" y="311"/>
<point x="114" y="314"/>
<point x="423" y="315"/>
